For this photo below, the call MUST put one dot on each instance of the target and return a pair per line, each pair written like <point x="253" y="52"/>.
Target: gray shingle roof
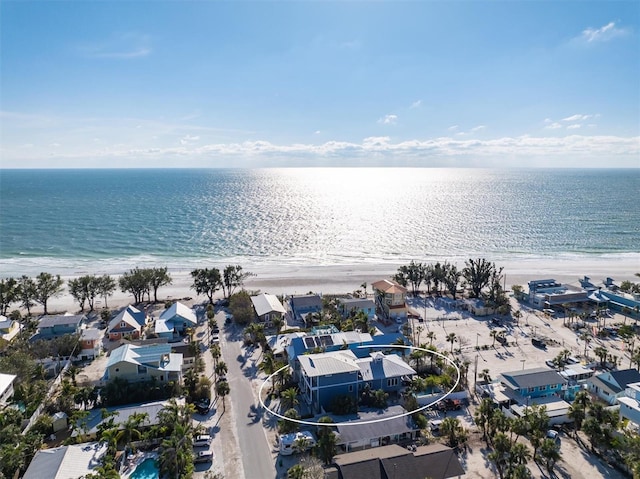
<point x="60" y="319"/>
<point x="334" y="362"/>
<point x="530" y="378"/>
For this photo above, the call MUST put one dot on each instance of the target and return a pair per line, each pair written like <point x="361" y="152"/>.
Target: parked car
<point x="215" y="339"/>
<point x="203" y="406"/>
<point x="555" y="435"/>
<point x="203" y="440"/>
<point x="435" y="426"/>
<point x="289" y="442"/>
<point x="203" y="456"/>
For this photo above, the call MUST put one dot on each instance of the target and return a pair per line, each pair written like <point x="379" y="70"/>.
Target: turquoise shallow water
<point x="71" y="221"/>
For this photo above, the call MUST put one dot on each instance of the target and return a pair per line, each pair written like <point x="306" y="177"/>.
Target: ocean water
<point x="107" y="221"/>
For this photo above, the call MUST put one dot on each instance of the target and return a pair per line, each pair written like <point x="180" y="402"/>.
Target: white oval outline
<point x="370" y="421"/>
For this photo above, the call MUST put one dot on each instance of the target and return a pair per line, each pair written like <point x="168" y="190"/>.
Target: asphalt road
<point x="257" y="458"/>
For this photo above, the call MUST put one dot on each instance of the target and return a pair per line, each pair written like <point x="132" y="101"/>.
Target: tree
<point x="287" y="425"/>
<point x="500" y="453"/>
<point x="131" y="428"/>
<point x="26" y="293"/>
<point x="289" y="399"/>
<point x="601" y="353"/>
<point x="8" y="294"/>
<point x="206" y="281"/>
<point x="233" y="277"/>
<point x="242" y="308"/>
<point x="327" y="442"/>
<point x="451" y="277"/>
<point x="478" y="273"/>
<point x="452" y="429"/>
<point x="159" y="277"/>
<point x="136" y="282"/>
<point x="411" y="274"/>
<point x="221" y="369"/>
<point x="578" y="408"/>
<point x="222" y="390"/>
<point x="483" y="414"/>
<point x="549" y="454"/>
<point x="106" y="287"/>
<point x="452" y="338"/>
<point x="215" y="354"/>
<point x="47" y="286"/>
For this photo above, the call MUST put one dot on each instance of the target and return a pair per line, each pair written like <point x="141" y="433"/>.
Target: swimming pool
<point x="147" y="469"/>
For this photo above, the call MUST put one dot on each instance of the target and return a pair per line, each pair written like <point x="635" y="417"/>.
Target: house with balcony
<point x="9" y="328"/>
<point x="325" y="376"/>
<point x="391" y="299"/>
<point x="352" y="306"/>
<point x="267" y="307"/>
<point x="141" y="363"/>
<point x="305" y="304"/>
<point x="54" y="326"/>
<point x="73" y="460"/>
<point x="128" y="324"/>
<point x="630" y="404"/>
<point x="611" y="385"/>
<point x="90" y="344"/>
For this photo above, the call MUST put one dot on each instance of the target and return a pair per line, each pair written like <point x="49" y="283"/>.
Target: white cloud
<point x="602" y="34"/>
<point x="121" y="46"/>
<point x="477" y="128"/>
<point x="548" y="120"/>
<point x="388" y="120"/>
<point x="453" y="127"/>
<point x="416" y="104"/>
<point x="189" y="139"/>
<point x="553" y="126"/>
<point x="577" y="117"/>
<point x="317" y="132"/>
<point x="575" y="126"/>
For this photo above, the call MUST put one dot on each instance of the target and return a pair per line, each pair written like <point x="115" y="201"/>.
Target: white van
<point x="289" y="442"/>
<point x="204" y="440"/>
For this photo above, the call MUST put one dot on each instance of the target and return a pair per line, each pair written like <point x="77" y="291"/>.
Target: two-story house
<point x="53" y="326"/>
<point x="141" y="363"/>
<point x="9" y="328"/>
<point x="128" y="323"/>
<point x="352" y="306"/>
<point x="90" y="343"/>
<point x="610" y="386"/>
<point x="391" y="299"/>
<point x="267" y="307"/>
<point x="324" y="376"/>
<point x="630" y="404"/>
<point x="305" y="304"/>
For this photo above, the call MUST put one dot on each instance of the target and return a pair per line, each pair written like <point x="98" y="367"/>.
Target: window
<point x="350" y="388"/>
<point x="532" y="390"/>
<point x="542" y="388"/>
<point x="142" y="369"/>
<point x="392" y="382"/>
<point x="122" y="324"/>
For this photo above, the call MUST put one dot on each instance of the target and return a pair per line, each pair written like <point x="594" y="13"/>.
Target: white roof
<point x="379" y="366"/>
<point x="5" y="382"/>
<point x="64" y="462"/>
<point x="147" y="356"/>
<point x="267" y="303"/>
<point x="181" y="310"/>
<point x="162" y="326"/>
<point x="333" y="362"/>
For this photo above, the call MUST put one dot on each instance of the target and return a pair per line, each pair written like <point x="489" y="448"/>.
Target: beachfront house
<point x="128" y="324"/>
<point x="267" y="307"/>
<point x="141" y="363"/>
<point x="391" y="299"/>
<point x="435" y="461"/>
<point x="54" y="326"/>
<point x="6" y="387"/>
<point x="305" y="304"/>
<point x="176" y="320"/>
<point x="74" y="460"/>
<point x="476" y="306"/>
<point x="610" y="385"/>
<point x="9" y="328"/>
<point x="325" y="376"/>
<point x="90" y="344"/>
<point x="548" y="293"/>
<point x="630" y="404"/>
<point x="353" y="306"/>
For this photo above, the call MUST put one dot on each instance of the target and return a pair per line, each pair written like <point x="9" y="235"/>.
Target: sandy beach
<point x="341" y="279"/>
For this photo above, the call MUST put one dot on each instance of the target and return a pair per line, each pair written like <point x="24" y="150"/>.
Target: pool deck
<point x="134" y="461"/>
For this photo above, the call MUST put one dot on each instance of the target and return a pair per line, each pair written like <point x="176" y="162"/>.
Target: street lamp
<point x="477" y="339"/>
<point x="522" y="361"/>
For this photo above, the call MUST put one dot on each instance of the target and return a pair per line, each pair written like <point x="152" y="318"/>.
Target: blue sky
<point x="244" y="84"/>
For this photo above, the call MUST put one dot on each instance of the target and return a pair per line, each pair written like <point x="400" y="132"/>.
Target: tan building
<point x="141" y="363"/>
<point x="391" y="299"/>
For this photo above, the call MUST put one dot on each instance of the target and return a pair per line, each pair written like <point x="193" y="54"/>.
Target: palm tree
<point x="221" y="369"/>
<point x="131" y="428"/>
<point x="216" y="353"/>
<point x="431" y="336"/>
<point x="453" y="430"/>
<point x="494" y="335"/>
<point x="222" y="390"/>
<point x="601" y="353"/>
<point x="278" y="323"/>
<point x="486" y="377"/>
<point x="587" y="339"/>
<point x="452" y="338"/>
<point x="289" y="399"/>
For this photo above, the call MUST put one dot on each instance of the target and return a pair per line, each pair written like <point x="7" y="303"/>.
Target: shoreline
<point x="291" y="279"/>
